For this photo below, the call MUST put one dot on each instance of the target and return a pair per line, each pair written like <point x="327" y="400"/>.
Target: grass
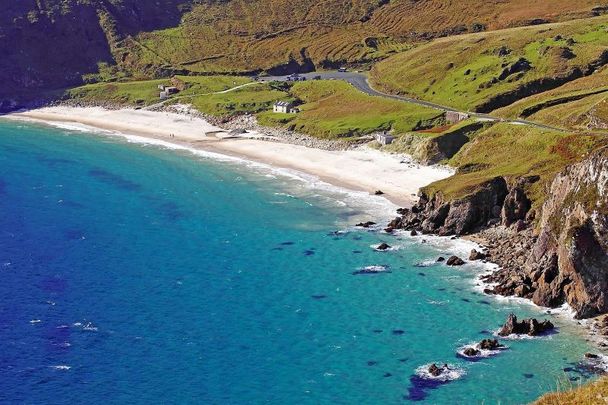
<point x="513" y="151"/>
<point x="146" y="92"/>
<point x="588" y="85"/>
<point x="465" y="72"/>
<point x="239" y="35"/>
<point x="589" y="394"/>
<point x="250" y="99"/>
<point x="437" y="144"/>
<point x="333" y="109"/>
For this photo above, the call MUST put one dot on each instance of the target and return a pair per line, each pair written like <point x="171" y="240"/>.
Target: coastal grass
<point x="589" y="394"/>
<point x="251" y="99"/>
<point x="335" y="109"/>
<point x="569" y="106"/>
<point x="435" y="144"/>
<point x="513" y="151"/>
<point x="466" y="71"/>
<point x="146" y="92"/>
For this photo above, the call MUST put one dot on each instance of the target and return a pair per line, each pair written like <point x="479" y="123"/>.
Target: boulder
<point x="455" y="261"/>
<point x="441" y="259"/>
<point x="490" y="344"/>
<point x="383" y="246"/>
<point x="471" y="352"/>
<point x="379" y="192"/>
<point x="530" y="327"/>
<point x="435" y="371"/>
<point x="367" y="224"/>
<point x="476" y="255"/>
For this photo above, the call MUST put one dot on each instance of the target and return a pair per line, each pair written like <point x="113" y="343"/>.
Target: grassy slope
<point x="330" y="109"/>
<point x="569" y="111"/>
<point x="244" y="35"/>
<point x="590" y="394"/>
<point x="336" y="109"/>
<point x="456" y="71"/>
<point x="513" y="151"/>
<point x="146" y="92"/>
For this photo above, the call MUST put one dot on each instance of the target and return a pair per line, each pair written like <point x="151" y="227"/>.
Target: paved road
<point x="359" y="81"/>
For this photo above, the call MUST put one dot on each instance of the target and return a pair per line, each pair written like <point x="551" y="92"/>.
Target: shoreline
<point x="359" y="169"/>
<point x="277" y="154"/>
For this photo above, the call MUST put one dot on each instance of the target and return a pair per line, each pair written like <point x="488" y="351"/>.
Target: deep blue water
<point x="133" y="274"/>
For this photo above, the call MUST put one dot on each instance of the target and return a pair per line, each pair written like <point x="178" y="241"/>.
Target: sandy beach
<point x="361" y="169"/>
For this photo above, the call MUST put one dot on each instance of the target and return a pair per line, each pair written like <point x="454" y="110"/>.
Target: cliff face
<point x="563" y="260"/>
<point x="51" y="44"/>
<point x="570" y="258"/>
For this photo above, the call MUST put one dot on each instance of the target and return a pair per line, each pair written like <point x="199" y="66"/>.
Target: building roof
<point x="283" y="104"/>
<point x="385" y="136"/>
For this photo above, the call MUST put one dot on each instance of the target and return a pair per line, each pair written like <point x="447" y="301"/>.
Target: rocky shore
<point x="554" y="255"/>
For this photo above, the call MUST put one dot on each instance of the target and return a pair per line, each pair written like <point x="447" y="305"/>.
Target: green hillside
<point x="48" y="44"/>
<point x="485" y="71"/>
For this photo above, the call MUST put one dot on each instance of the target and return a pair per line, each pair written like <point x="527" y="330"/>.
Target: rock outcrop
<point x="530" y="327"/>
<point x="553" y="255"/>
<point x="569" y="261"/>
<point x="457" y="217"/>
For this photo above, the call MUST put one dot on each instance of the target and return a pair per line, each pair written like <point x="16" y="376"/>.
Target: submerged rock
<point x="530" y="327"/>
<point x="367" y="224"/>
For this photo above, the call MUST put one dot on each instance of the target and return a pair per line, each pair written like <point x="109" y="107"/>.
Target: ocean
<point x="136" y="273"/>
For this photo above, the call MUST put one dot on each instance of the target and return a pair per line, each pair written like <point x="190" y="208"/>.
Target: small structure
<point x="167" y="91"/>
<point x="454" y="117"/>
<point x="285" y="107"/>
<point x="385" y="139"/>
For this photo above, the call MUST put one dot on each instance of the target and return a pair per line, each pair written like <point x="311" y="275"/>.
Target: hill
<point x="486" y="71"/>
<point x="56" y="43"/>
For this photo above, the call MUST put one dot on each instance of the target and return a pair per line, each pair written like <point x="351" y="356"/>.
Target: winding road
<point x="360" y="82"/>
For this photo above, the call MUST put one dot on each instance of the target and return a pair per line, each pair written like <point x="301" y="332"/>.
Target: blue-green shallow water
<point x="162" y="277"/>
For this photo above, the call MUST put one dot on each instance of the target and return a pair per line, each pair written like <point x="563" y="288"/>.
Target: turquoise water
<point x="134" y="274"/>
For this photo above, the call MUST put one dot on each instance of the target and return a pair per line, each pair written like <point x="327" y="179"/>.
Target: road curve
<point x="360" y="82"/>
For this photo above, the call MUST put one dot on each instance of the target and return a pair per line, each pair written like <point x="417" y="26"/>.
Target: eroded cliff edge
<point x="552" y="255"/>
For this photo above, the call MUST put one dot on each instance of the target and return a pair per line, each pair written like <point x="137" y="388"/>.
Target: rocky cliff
<point x="559" y="257"/>
<point x="53" y="43"/>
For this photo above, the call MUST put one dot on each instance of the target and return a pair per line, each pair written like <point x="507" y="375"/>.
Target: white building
<point x="385" y="139"/>
<point x="285" y="107"/>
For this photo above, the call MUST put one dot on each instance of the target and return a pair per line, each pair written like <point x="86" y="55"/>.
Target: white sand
<point x="361" y="169"/>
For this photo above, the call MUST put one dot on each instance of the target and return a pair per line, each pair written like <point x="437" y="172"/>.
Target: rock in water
<point x="529" y="327"/>
<point x="440" y="259"/>
<point x="471" y="352"/>
<point x="475" y="255"/>
<point x="366" y="224"/>
<point x="383" y="246"/>
<point x="435" y="371"/>
<point x="379" y="192"/>
<point x="455" y="261"/>
<point x="490" y="344"/>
